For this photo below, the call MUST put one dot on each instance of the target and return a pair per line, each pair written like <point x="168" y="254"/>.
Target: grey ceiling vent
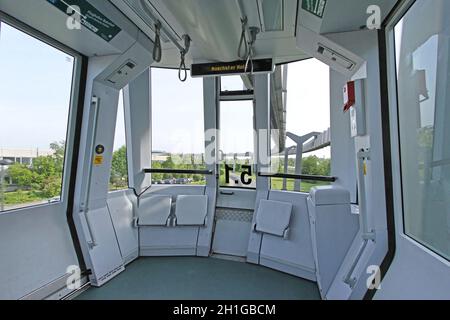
<point x="122" y="73"/>
<point x="335" y="57"/>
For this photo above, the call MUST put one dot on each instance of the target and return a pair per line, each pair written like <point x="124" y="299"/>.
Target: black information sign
<point x="227" y="68"/>
<point x="99" y="149"/>
<point x="83" y="13"/>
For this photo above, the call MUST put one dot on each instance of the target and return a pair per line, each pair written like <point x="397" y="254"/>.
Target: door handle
<point x="227" y="193"/>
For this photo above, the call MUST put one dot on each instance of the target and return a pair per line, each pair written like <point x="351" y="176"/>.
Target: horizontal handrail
<point x="236" y="93"/>
<point x="297" y="176"/>
<point x="179" y="171"/>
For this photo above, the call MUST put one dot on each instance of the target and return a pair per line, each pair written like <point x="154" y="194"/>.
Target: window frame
<point x="73" y="109"/>
<point x="394" y="125"/>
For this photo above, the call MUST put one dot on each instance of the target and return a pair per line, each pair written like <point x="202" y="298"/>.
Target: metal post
<point x="286" y="165"/>
<point x="2" y="190"/>
<point x="298" y="166"/>
<point x="300" y="140"/>
<point x="3" y="163"/>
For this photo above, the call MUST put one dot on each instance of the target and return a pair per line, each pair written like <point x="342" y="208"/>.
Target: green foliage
<point x="22" y="175"/>
<point x="119" y="169"/>
<point x="277" y="184"/>
<point x="20" y="196"/>
<point x="44" y="176"/>
<point x="425" y="137"/>
<point x="315" y="166"/>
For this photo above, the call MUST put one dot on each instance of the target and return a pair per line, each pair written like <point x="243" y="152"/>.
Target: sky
<point x="35" y="88"/>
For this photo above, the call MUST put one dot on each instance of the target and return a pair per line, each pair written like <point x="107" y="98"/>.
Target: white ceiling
<point x="215" y="26"/>
<point x="350" y="15"/>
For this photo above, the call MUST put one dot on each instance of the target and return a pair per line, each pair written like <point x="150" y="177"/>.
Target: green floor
<point x="190" y="278"/>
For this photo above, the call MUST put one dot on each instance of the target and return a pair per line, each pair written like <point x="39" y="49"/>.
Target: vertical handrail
<point x="368" y="234"/>
<point x="85" y="205"/>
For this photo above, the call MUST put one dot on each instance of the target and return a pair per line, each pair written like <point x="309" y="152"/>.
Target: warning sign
<point x="316" y="7"/>
<point x="98" y="160"/>
<point x="83" y="13"/>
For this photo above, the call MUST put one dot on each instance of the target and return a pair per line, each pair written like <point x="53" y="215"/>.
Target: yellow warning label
<point x="98" y="160"/>
<point x="365" y="168"/>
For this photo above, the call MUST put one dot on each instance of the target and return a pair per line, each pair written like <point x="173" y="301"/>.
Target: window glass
<point x="236" y="144"/>
<point x="177" y="127"/>
<point x="119" y="168"/>
<point x="232" y="83"/>
<point x="35" y="96"/>
<point x="299" y="112"/>
<point x="423" y="68"/>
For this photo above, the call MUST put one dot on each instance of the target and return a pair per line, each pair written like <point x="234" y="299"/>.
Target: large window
<point x="119" y="168"/>
<point x="177" y="127"/>
<point x="35" y="97"/>
<point x="236" y="144"/>
<point x="423" y="70"/>
<point x="300" y="112"/>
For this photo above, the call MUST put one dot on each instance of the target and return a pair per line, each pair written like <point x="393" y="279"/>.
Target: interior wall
<point x="121" y="206"/>
<point x="364" y="44"/>
<point x="42" y="252"/>
<point x="343" y="164"/>
<point x="416" y="272"/>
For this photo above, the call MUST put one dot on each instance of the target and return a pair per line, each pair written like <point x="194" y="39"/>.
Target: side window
<point x="423" y="70"/>
<point x="35" y="97"/>
<point x="177" y="127"/>
<point x="119" y="168"/>
<point x="299" y="113"/>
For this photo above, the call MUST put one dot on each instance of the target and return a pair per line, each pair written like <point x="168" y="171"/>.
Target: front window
<point x="177" y="127"/>
<point x="236" y="143"/>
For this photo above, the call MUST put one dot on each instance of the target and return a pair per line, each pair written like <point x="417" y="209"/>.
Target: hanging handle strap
<point x="157" y="50"/>
<point x="251" y="49"/>
<point x="183" y="52"/>
<point x="182" y="68"/>
<point x="243" y="42"/>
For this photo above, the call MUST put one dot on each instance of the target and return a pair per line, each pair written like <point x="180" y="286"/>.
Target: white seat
<point x="154" y="210"/>
<point x="191" y="210"/>
<point x="273" y="217"/>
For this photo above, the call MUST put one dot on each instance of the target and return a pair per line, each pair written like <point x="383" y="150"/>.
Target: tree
<point x="21" y="175"/>
<point x="119" y="168"/>
<point x="44" y="176"/>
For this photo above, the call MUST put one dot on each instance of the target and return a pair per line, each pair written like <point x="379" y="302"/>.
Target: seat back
<point x="191" y="210"/>
<point x="154" y="210"/>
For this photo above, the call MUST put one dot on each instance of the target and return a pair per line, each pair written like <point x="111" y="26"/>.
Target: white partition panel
<point x="293" y="255"/>
<point x="121" y="210"/>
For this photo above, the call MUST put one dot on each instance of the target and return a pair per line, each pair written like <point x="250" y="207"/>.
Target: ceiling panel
<point x="351" y="15"/>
